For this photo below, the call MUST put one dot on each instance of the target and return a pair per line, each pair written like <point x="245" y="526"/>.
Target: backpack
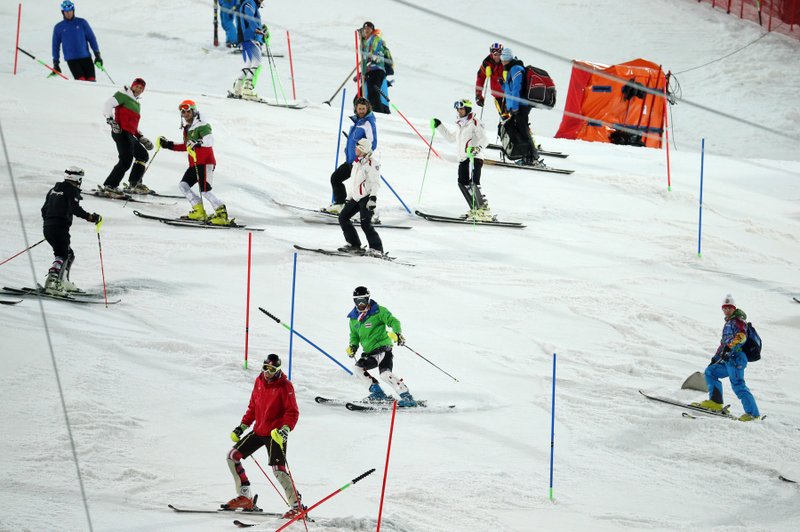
<point x="541" y="87"/>
<point x="388" y="62"/>
<point x="752" y="347"/>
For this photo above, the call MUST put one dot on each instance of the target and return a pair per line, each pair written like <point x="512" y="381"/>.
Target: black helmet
<point x="361" y="298"/>
<point x="271" y="366"/>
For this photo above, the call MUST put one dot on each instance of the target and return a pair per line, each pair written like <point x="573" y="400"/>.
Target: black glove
<point x="401" y="340"/>
<point x="168" y="144"/>
<point x="114" y="126"/>
<point x="98" y="60"/>
<point x="372" y="202"/>
<point x="435" y="122"/>
<point x="479" y="100"/>
<point x="95" y="218"/>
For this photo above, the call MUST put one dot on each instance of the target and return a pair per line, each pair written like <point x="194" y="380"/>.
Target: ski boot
<point x="198" y="213"/>
<point x="333" y="208"/>
<point x="484" y="214"/>
<point x="138" y="188"/>
<point x="110" y="192"/>
<point x="708" y="404"/>
<point x="294" y="511"/>
<point x="245" y="503"/>
<point x="376" y="394"/>
<point x="220" y="217"/>
<point x="53" y="286"/>
<point x="406" y="400"/>
<point x="355" y="250"/>
<point x="748" y="417"/>
<point x="248" y="91"/>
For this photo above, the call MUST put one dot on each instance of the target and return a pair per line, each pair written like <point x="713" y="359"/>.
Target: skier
<point x="368" y="322"/>
<point x="122" y="112"/>
<point x="730" y="361"/>
<point x="198" y="142"/>
<point x="249" y="32"/>
<point x="227" y="18"/>
<point x="362" y="198"/>
<point x="273" y="407"/>
<point x="373" y="66"/>
<point x="491" y="68"/>
<point x="363" y="128"/>
<point x="61" y="203"/>
<point x="471" y="140"/>
<point x="72" y="34"/>
<point x="519" y="110"/>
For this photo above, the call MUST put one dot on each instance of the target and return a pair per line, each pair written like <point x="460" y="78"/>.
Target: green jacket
<point x="370" y="331"/>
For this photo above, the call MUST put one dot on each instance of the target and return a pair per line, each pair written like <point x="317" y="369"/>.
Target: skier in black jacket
<point x="61" y="203"/>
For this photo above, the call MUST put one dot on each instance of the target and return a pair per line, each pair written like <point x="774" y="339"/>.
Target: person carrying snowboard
<point x="368" y="322"/>
<point x="273" y="408"/>
<point x="198" y="143"/>
<point x="60" y="205"/>
<point x="730" y="361"/>
<point x="471" y="139"/>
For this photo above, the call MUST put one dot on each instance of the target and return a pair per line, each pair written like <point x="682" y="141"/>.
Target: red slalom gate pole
<point x="386" y="467"/>
<point x="270" y="480"/>
<point x="358" y="70"/>
<point x="21" y="252"/>
<point x="247" y="308"/>
<point x="16" y="46"/>
<point x="666" y="136"/>
<point x="428" y="144"/>
<point x="305" y="512"/>
<point x="102" y="268"/>
<point x="291" y="64"/>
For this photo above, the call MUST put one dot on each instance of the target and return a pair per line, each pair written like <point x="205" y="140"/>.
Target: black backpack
<point x="752" y="347"/>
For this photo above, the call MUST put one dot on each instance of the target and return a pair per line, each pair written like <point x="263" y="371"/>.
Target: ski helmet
<point x="187" y="105"/>
<point x="66" y="5"/>
<point x="74" y="175"/>
<point x="271" y="366"/>
<point x="463" y="104"/>
<point x="496" y="48"/>
<point x="365" y="146"/>
<point x="361" y="298"/>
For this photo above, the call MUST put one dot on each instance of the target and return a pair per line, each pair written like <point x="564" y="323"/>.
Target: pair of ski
<point x="72" y="297"/>
<point x="186" y="222"/>
<point x="465" y="221"/>
<point x="363" y="253"/>
<point x="289" y="104"/>
<point x="128" y="198"/>
<point x="383" y="406"/>
<point x="257" y="512"/>
<point x="329" y="218"/>
<point x="725" y="412"/>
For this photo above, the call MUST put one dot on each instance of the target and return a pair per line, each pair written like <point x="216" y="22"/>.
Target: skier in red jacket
<point x="491" y="68"/>
<point x="273" y="407"/>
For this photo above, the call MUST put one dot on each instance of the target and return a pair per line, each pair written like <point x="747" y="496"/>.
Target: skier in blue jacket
<point x="227" y="18"/>
<point x="74" y="35"/>
<point x="519" y="110"/>
<point x="363" y="128"/>
<point x="250" y="34"/>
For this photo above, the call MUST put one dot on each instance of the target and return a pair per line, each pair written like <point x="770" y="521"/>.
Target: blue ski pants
<point x="734" y="370"/>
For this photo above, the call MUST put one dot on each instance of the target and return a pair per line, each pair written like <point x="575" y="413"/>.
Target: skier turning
<point x="198" y="142"/>
<point x="362" y="198"/>
<point x="368" y="322"/>
<point x="61" y="203"/>
<point x="471" y="140"/>
<point x="273" y="407"/>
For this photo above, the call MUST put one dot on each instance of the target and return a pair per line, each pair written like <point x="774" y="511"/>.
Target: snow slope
<point x="606" y="274"/>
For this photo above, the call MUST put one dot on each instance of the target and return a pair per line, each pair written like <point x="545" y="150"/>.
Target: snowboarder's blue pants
<point x="734" y="370"/>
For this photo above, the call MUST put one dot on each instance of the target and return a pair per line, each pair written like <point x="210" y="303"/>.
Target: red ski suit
<point x="494" y="71"/>
<point x="272" y="405"/>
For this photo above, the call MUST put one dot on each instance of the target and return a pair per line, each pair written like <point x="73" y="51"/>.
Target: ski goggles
<point x="269" y="369"/>
<point x="186" y="107"/>
<point x="460" y="104"/>
<point x="361" y="301"/>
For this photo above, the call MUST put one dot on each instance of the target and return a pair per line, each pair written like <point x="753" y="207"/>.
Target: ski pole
<point x="329" y="100"/>
<point x="23" y="251"/>
<point x="312" y="344"/>
<point x="101" y="67"/>
<point x="216" y="23"/>
<point x="396" y="195"/>
<point x="102" y="268"/>
<point x="294" y="487"/>
<point x="270" y="480"/>
<point x="42" y="63"/>
<point x="409" y="123"/>
<point x="158" y="149"/>
<point x="386" y="467"/>
<point x="431" y="363"/>
<point x="425" y="172"/>
<point x="304" y="512"/>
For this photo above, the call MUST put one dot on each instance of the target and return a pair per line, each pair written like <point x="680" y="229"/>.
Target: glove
<point x="194" y="144"/>
<point x="281" y="435"/>
<point x="168" y="144"/>
<point x="95" y="218"/>
<point x="401" y="340"/>
<point x="351" y="350"/>
<point x="473" y="151"/>
<point x="479" y="100"/>
<point x="505" y="116"/>
<point x="435" y="122"/>
<point x="372" y="202"/>
<point x="237" y="432"/>
<point x="147" y="143"/>
<point x="98" y="61"/>
<point x="114" y="126"/>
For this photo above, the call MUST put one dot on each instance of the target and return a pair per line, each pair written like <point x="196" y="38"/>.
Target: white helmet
<point x="74" y="175"/>
<point x="365" y="146"/>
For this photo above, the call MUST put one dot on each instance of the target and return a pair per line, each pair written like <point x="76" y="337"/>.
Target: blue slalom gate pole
<point x="309" y="342"/>
<point x="552" y="426"/>
<point x="396" y="195"/>
<point x="291" y="318"/>
<point x="339" y="136"/>
<point x="702" y="164"/>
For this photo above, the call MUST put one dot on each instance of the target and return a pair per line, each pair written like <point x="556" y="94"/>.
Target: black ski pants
<point x="463" y="172"/>
<point x="351" y="208"/>
<point x="128" y="149"/>
<point x="520" y="131"/>
<point x="374" y="81"/>
<point x="82" y="69"/>
<point x="58" y="237"/>
<point x="370" y="361"/>
<point x="338" y="177"/>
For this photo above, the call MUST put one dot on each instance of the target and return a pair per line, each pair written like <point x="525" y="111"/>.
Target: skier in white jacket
<point x="471" y="139"/>
<point x="362" y="190"/>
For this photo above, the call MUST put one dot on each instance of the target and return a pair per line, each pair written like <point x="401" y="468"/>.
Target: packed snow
<point x="606" y="274"/>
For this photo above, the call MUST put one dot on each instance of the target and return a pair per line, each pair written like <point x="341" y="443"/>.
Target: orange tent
<point x="597" y="106"/>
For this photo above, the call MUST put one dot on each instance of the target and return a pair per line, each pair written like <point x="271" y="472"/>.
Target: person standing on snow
<point x="198" y="142"/>
<point x="471" y="140"/>
<point x="273" y="408"/>
<point x="491" y="68"/>
<point x="362" y="198"/>
<point x="373" y="66"/>
<point x="517" y="125"/>
<point x="122" y="112"/>
<point x="730" y="361"/>
<point x="60" y="205"/>
<point x="227" y="19"/>
<point x="363" y="128"/>
<point x="72" y="34"/>
<point x="368" y="322"/>
<point x="250" y="33"/>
